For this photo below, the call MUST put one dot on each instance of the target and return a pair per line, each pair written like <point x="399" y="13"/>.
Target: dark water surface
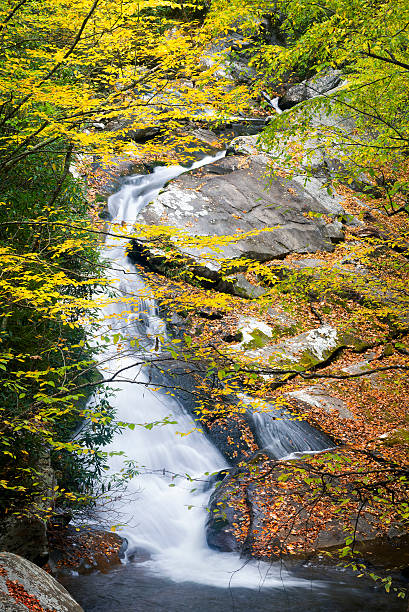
<point x="130" y="588"/>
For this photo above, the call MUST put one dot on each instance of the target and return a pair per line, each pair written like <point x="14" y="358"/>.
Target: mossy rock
<point x="314" y="347"/>
<point x="350" y="339"/>
<point x="397" y="437"/>
<point x="306" y="350"/>
<point x="260" y="340"/>
<point x="388" y="350"/>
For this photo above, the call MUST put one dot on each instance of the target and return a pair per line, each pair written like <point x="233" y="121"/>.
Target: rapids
<point x="163" y="520"/>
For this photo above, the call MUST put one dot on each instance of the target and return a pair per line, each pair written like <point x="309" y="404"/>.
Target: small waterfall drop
<point x="282" y="434"/>
<point x="273" y="102"/>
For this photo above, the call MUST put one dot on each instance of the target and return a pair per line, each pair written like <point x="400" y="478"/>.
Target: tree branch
<point x="55" y="68"/>
<point x="12" y="13"/>
<point x="388" y="60"/>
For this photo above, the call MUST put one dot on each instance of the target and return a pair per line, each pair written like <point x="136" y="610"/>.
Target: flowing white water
<point x="164" y="523"/>
<point x="273" y="102"/>
<point x="280" y="433"/>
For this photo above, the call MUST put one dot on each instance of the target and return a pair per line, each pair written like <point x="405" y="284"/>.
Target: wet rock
<point x="218" y="55"/>
<point x="112" y="175"/>
<point x="26" y="537"/>
<point x="271" y="31"/>
<point x="230" y="436"/>
<point x="257" y="511"/>
<point x="214" y="480"/>
<point x="204" y="139"/>
<point x="241" y="71"/>
<point x="210" y="314"/>
<point x="24" y="585"/>
<point x="125" y="130"/>
<point x="224" y="513"/>
<point x="231" y="428"/>
<point x="319" y="397"/>
<point x="83" y="550"/>
<point x="228" y="198"/>
<point x="235" y="337"/>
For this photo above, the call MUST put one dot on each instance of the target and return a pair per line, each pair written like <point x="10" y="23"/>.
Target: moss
<point x="308" y="361"/>
<point x="278" y="331"/>
<point x="397" y="437"/>
<point x="351" y="340"/>
<point x="388" y="350"/>
<point x="259" y="340"/>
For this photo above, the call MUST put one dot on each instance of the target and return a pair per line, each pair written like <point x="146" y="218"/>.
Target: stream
<point x="168" y="565"/>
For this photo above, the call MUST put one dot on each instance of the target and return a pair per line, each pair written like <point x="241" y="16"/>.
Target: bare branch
<point x="388" y="60"/>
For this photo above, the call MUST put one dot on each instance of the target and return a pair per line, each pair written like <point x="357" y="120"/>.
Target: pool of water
<point x="132" y="588"/>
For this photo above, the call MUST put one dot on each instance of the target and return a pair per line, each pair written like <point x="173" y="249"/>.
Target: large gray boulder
<point x="319" y="396"/>
<point x="303" y="350"/>
<point x="24" y="585"/>
<point x="230" y="197"/>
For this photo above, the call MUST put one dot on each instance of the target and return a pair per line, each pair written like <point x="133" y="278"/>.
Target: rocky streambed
<point x="264" y="507"/>
<point x="276" y="299"/>
<point x="300" y="300"/>
<point x="261" y="507"/>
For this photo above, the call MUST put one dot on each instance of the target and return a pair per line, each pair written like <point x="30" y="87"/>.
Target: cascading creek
<point x="279" y="433"/>
<point x="164" y="520"/>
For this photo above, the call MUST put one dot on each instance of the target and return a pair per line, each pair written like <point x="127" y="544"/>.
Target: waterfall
<point x="273" y="102"/>
<point x="280" y="433"/>
<point x="163" y="520"/>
